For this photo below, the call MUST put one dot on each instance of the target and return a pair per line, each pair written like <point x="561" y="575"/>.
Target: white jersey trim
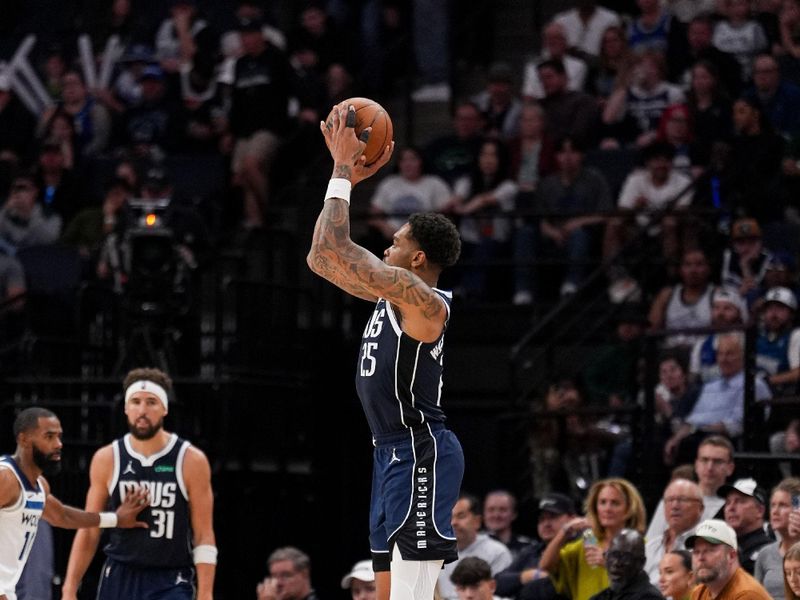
<point x="149" y="461"/>
<point x="112" y="484"/>
<point x="179" y="469"/>
<point x="435" y="462"/>
<point x="393" y="319"/>
<point x="413" y="379"/>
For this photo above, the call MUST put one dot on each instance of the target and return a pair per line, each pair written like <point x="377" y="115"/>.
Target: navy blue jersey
<point x="398" y="378"/>
<point x="167" y="542"/>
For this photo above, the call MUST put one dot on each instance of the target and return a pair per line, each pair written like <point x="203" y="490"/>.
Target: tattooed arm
<point x="354" y="269"/>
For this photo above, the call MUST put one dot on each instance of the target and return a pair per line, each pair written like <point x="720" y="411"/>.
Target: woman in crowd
<point x="675" y="575"/>
<point x="576" y="564"/>
<point x="791" y="573"/>
<point x="769" y="564"/>
<point x="613" y="65"/>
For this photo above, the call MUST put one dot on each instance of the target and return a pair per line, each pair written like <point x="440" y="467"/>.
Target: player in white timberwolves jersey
<point x="163" y="561"/>
<point x="418" y="463"/>
<point x="25" y="495"/>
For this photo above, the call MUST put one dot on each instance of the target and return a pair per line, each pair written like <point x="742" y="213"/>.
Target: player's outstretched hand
<point x="346" y="149"/>
<point x="134" y="504"/>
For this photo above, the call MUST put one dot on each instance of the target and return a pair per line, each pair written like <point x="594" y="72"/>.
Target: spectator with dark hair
<point x="466" y="521"/>
<point x="60" y="191"/>
<point x="654" y="28"/>
<point x="674" y="395"/>
<point x="16" y="128"/>
<point x="632" y="112"/>
<point x="455" y="154"/>
<point x="644" y="194"/>
<point x="523" y="578"/>
<point x="699" y="35"/>
<point x="184" y="38"/>
<point x="569" y="112"/>
<point x="484" y="199"/>
<point x="23" y="222"/>
<point x="613" y="66"/>
<point x="92" y="123"/>
<point x="687" y="304"/>
<point x="709" y="109"/>
<point x="316" y="43"/>
<point x="60" y="130"/>
<point x="151" y="127"/>
<point x="473" y="580"/>
<point x="675" y="575"/>
<point x="399" y="195"/>
<point x="499" y="102"/>
<point x="751" y="175"/>
<point x="571" y="202"/>
<point x="554" y="47"/>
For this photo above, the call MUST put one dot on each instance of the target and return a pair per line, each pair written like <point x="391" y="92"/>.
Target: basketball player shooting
<point x="25" y="495"/>
<point x="418" y="463"/>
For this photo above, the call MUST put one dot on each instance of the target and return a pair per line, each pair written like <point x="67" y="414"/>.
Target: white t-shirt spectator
<point x="470" y="228"/>
<point x="576" y="76"/>
<point x="639" y="185"/>
<point x="587" y="36"/>
<point x="744" y="41"/>
<point x="396" y="195"/>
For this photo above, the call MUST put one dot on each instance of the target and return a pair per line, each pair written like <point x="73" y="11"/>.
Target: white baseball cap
<point x="714" y="531"/>
<point x="783" y="295"/>
<point x="731" y="296"/>
<point x="362" y="571"/>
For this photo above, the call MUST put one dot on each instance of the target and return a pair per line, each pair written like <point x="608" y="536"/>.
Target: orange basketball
<point x="371" y="114"/>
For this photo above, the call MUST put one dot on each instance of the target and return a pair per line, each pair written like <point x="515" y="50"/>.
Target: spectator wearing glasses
<point x="289" y="577"/>
<point x="744" y="512"/>
<point x="683" y="505"/>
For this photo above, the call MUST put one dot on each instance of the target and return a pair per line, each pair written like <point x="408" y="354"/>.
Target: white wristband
<point x="108" y="520"/>
<point x="339" y="187"/>
<point x="205" y="553"/>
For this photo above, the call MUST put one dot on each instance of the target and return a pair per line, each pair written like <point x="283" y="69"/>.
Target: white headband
<point x="144" y="385"/>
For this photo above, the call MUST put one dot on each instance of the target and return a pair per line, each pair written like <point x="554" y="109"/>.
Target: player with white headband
<point x="179" y="548"/>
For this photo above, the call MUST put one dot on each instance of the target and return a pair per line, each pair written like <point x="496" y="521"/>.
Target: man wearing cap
<point x="728" y="309"/>
<point x="778" y="342"/>
<point x="744" y="512"/>
<point x="160" y="561"/>
<point x="361" y="581"/>
<point x="683" y="506"/>
<point x="499" y="102"/>
<point x="745" y="262"/>
<point x="715" y="563"/>
<point x="523" y="576"/>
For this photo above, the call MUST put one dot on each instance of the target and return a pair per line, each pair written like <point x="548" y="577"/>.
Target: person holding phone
<point x="784" y="518"/>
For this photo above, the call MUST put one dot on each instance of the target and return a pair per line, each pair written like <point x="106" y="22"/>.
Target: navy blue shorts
<point x="119" y="581"/>
<point x="416" y="480"/>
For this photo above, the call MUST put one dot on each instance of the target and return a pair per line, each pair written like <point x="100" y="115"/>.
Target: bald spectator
<point x="727" y="310"/>
<point x="720" y="407"/>
<point x="683" y="505"/>
<point x="499" y="514"/>
<point x="745" y="502"/>
<point x="712" y="465"/>
<point x="554" y="47"/>
<point x="779" y="98"/>
<point x="715" y="562"/>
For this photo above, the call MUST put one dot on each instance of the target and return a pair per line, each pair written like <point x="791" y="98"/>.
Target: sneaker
<point x="568" y="288"/>
<point x="434" y="92"/>
<point x="624" y="290"/>
<point x="522" y="298"/>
